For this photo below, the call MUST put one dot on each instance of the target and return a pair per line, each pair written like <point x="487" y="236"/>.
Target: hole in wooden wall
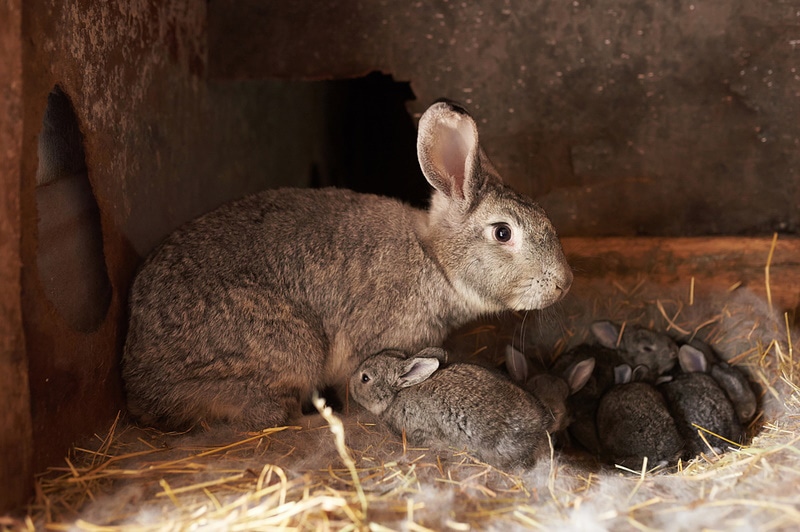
<point x="374" y="138"/>
<point x="70" y="256"/>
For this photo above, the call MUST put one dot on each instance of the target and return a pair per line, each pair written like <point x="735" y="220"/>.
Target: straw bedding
<point x="347" y="471"/>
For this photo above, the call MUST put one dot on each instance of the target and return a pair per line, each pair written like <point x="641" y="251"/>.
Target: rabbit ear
<point x="622" y="374"/>
<point x="579" y="374"/>
<point x="606" y="333"/>
<point x="639" y="373"/>
<point x="735" y="385"/>
<point x="692" y="360"/>
<point x="434" y="352"/>
<point x="416" y="370"/>
<point x="516" y="364"/>
<point x="448" y="151"/>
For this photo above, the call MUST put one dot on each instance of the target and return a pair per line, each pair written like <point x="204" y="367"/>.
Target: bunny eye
<point x="365" y="378"/>
<point x="502" y="232"/>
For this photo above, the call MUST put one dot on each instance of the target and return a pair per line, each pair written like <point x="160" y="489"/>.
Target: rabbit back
<point x="633" y="422"/>
<point x="468" y="406"/>
<point x="697" y="399"/>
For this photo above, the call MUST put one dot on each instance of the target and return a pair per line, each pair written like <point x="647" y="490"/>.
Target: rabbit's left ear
<point x="416" y="370"/>
<point x="516" y="364"/>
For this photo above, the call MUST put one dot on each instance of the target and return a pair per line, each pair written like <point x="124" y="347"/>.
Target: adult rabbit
<point x="238" y="315"/>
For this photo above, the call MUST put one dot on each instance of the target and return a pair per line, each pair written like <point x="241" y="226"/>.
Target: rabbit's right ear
<point x="692" y="360"/>
<point x="516" y="364"/>
<point x="607" y="333"/>
<point x="622" y="374"/>
<point x="416" y="370"/>
<point x="448" y="151"/>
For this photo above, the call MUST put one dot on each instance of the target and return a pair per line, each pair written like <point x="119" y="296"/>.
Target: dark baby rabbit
<point x="582" y="405"/>
<point x="695" y="398"/>
<point x="240" y="314"/>
<point x="460" y="405"/>
<point x="633" y="422"/>
<point x="638" y="346"/>
<point x="732" y="381"/>
<point x="553" y="389"/>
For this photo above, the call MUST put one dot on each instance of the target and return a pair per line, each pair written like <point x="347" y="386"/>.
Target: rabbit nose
<point x="563" y="285"/>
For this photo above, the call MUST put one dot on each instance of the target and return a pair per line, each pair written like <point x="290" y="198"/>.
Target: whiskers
<point x="544" y="330"/>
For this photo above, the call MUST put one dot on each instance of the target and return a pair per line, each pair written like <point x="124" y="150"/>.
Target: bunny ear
<point x="579" y="374"/>
<point x="622" y="374"/>
<point x="434" y="352"/>
<point x="516" y="364"/>
<point x="692" y="360"/>
<point x="448" y="151"/>
<point x="639" y="373"/>
<point x="606" y="333"/>
<point x="735" y="385"/>
<point x="416" y="370"/>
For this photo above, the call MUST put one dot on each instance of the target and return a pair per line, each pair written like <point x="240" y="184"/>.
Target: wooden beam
<point x="16" y="476"/>
<point x="718" y="261"/>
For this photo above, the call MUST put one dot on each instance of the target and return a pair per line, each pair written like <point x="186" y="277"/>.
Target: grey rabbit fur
<point x="240" y="314"/>
<point x="638" y="346"/>
<point x="461" y="405"/>
<point x="633" y="422"/>
<point x="732" y="381"/>
<point x="553" y="389"/>
<point x="695" y="398"/>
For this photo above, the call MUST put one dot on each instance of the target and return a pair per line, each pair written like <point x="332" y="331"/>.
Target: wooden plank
<point x="721" y="261"/>
<point x="16" y="477"/>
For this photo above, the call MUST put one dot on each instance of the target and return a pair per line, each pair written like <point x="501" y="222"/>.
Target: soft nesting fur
<point x="241" y="313"/>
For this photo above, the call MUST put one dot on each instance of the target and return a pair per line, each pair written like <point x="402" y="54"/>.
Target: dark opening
<point x="373" y="139"/>
<point x="70" y="256"/>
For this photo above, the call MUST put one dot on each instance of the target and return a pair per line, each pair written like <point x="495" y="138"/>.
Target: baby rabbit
<point x="582" y="405"/>
<point x="552" y="389"/>
<point x="695" y="398"/>
<point x="633" y="422"/>
<point x="732" y="381"/>
<point x="240" y="314"/>
<point x="461" y="405"/>
<point x="638" y="346"/>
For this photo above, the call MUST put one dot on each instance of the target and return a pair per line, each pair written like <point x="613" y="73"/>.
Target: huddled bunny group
<point x="632" y="395"/>
<point x="240" y="315"/>
<point x="651" y="398"/>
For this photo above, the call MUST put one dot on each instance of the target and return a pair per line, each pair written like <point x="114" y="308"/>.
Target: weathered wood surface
<point x="718" y="261"/>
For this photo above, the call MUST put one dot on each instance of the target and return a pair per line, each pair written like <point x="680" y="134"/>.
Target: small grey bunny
<point x="698" y="403"/>
<point x="582" y="405"/>
<point x="732" y="381"/>
<point x="633" y="422"/>
<point x="638" y="346"/>
<point x="460" y="405"/>
<point x="240" y="314"/>
<point x="552" y="389"/>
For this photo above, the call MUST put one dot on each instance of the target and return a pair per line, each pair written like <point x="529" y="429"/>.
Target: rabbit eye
<point x="365" y="378"/>
<point x="502" y="232"/>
